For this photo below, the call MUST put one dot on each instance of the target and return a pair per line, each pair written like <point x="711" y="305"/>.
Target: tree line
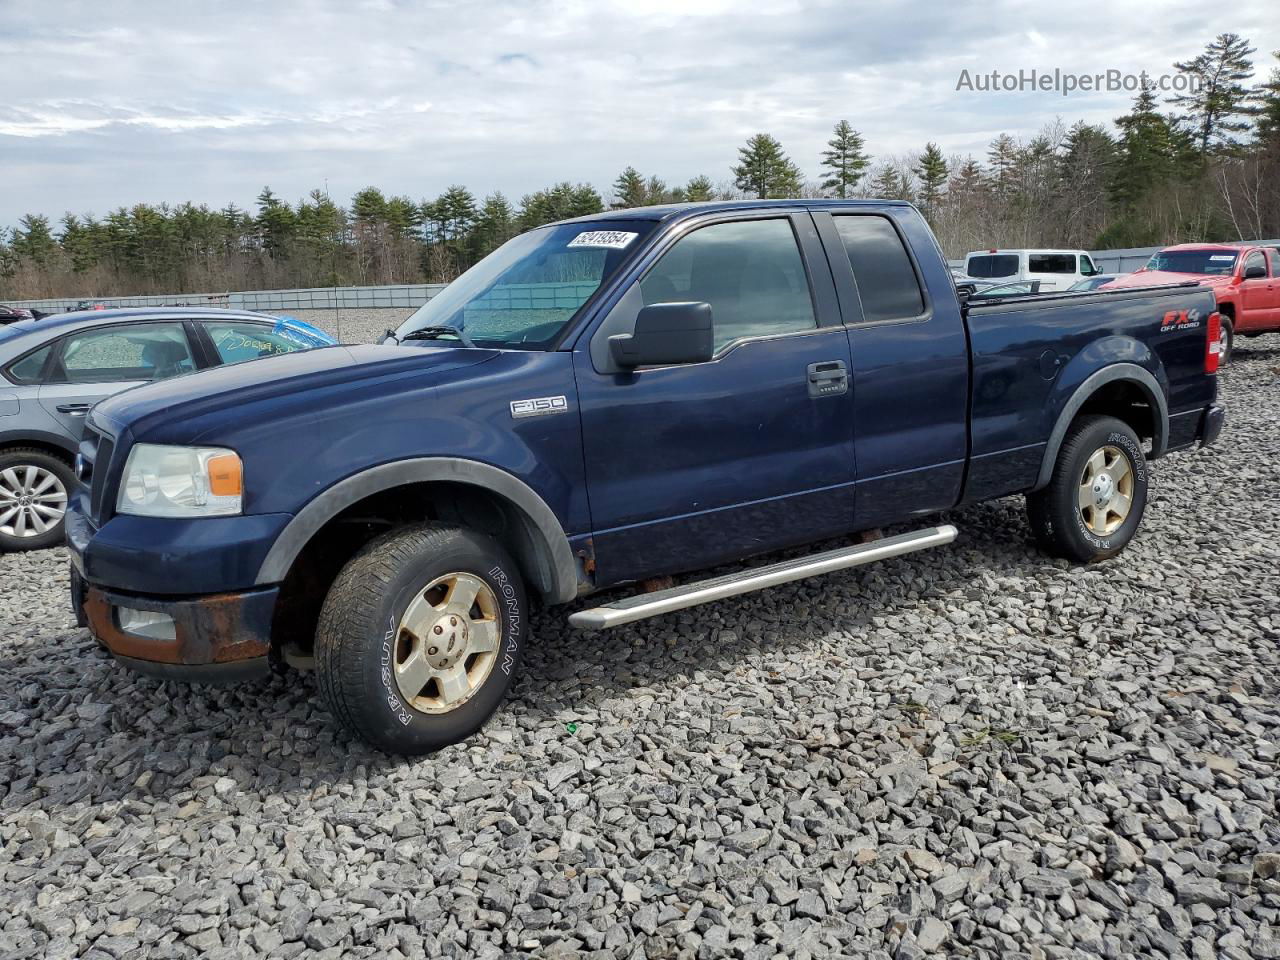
<point x="1203" y="165"/>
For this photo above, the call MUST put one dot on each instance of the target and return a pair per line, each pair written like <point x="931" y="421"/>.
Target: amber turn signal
<point x="226" y="475"/>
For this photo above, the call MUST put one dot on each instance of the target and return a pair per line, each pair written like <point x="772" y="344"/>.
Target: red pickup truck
<point x="1245" y="278"/>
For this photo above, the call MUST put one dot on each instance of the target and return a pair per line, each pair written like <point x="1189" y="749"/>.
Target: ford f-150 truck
<point x="601" y="402"/>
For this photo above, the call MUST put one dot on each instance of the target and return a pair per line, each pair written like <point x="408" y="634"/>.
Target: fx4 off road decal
<point x="512" y="604"/>
<point x="1181" y="320"/>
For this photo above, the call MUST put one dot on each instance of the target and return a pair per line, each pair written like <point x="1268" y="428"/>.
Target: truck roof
<point x="1210" y="246"/>
<point x="665" y="210"/>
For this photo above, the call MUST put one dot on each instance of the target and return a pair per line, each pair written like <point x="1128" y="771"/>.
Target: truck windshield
<point x="1209" y="262"/>
<point x="524" y="293"/>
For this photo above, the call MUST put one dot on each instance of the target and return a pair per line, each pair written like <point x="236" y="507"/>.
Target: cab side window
<point x="1255" y="259"/>
<point x="1274" y="256"/>
<point x="887" y="282"/>
<point x="751" y="273"/>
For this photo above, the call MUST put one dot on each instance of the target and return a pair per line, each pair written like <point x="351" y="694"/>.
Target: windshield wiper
<point x="437" y="331"/>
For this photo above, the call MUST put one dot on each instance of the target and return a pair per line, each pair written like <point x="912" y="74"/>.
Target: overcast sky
<point x="112" y="103"/>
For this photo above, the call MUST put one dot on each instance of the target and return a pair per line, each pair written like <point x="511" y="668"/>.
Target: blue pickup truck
<point x="602" y="402"/>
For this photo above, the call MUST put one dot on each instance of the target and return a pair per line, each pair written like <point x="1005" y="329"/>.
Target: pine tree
<point x="276" y="223"/>
<point x="495" y="225"/>
<point x="844" y="160"/>
<point x="629" y="189"/>
<point x="890" y="183"/>
<point x="931" y="172"/>
<point x="764" y="171"/>
<point x="1268" y="106"/>
<point x="655" y="192"/>
<point x="1219" y="100"/>
<point x="1146" y="150"/>
<point x="1002" y="156"/>
<point x="33" y="240"/>
<point x="699" y="189"/>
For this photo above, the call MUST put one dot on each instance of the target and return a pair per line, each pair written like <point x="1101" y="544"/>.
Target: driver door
<point x="691" y="464"/>
<point x="1255" y="294"/>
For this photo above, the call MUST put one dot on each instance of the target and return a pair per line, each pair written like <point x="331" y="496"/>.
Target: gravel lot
<point x="975" y="752"/>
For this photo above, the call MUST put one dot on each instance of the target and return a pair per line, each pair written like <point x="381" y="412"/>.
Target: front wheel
<point x="1095" y="499"/>
<point x="420" y="636"/>
<point x="1226" y="340"/>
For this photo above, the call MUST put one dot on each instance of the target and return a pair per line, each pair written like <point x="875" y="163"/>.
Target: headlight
<point x="162" y="481"/>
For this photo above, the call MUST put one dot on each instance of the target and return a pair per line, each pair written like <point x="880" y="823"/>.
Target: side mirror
<point x="666" y="333"/>
<point x="1255" y="272"/>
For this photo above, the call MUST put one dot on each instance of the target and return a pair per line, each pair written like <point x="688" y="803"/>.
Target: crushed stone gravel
<point x="975" y="751"/>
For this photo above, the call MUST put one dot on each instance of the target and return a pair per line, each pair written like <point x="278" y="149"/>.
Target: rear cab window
<point x="882" y="269"/>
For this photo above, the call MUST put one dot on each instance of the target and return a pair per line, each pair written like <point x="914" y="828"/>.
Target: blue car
<point x="53" y="369"/>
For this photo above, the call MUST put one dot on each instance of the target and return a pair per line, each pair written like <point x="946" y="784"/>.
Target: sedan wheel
<point x="33" y="499"/>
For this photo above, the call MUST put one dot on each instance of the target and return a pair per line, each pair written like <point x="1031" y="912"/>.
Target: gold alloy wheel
<point x="447" y="643"/>
<point x="1106" y="491"/>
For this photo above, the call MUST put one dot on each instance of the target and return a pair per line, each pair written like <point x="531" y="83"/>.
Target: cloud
<point x="152" y="101"/>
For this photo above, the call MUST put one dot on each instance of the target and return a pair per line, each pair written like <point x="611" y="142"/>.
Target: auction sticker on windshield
<point x="609" y="239"/>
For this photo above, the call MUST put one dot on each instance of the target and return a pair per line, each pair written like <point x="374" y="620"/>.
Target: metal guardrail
<point x="406" y="295"/>
<point x="309" y="298"/>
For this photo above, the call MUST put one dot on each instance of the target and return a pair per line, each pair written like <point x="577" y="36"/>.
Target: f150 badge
<point x="538" y="407"/>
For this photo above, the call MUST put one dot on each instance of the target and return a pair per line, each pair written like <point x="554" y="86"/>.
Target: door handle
<point x="828" y="378"/>
<point x="75" y="409"/>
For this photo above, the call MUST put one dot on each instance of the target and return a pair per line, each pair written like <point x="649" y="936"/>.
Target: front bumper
<point x="215" y="639"/>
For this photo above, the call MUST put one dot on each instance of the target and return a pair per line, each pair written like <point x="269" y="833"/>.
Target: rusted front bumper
<point x="222" y="638"/>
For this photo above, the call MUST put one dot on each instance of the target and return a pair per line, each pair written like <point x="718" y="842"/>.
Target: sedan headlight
<point x="164" y="481"/>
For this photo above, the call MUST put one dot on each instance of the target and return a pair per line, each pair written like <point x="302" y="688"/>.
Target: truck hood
<point x="1157" y="278"/>
<point x="291" y="375"/>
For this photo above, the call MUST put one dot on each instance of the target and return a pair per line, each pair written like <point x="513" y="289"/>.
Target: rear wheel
<point x="420" y="636"/>
<point x="34" y="487"/>
<point x="1094" y="502"/>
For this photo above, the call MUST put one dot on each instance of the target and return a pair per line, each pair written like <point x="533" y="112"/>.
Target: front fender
<point x="1105" y="361"/>
<point x="555" y="566"/>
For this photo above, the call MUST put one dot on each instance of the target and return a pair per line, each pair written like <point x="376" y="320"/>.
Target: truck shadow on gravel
<point x="96" y="732"/>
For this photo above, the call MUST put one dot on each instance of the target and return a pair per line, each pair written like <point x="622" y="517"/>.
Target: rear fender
<point x="1107" y="361"/>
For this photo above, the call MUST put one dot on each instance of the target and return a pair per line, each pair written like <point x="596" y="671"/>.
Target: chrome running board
<point x="644" y="605"/>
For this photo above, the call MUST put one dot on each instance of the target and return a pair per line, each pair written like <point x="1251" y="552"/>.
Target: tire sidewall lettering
<point x="512" y="617"/>
<point x="1137" y="463"/>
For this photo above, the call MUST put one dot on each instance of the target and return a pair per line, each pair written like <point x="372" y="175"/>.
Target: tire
<point x="1227" y="338"/>
<point x="1080" y="517"/>
<point x="376" y="628"/>
<point x="34" y="489"/>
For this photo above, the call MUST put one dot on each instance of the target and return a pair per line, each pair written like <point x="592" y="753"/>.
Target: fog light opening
<point x="146" y="623"/>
